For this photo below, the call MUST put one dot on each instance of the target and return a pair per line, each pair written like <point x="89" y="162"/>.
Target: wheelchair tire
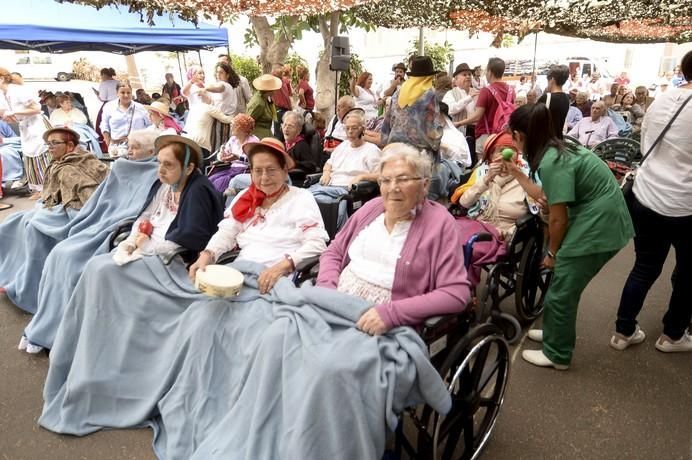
<point x="531" y="282"/>
<point x="476" y="372"/>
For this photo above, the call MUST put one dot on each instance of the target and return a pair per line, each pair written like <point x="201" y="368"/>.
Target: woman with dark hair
<point x="366" y="98"/>
<point x="120" y="116"/>
<point x="222" y="92"/>
<point x="662" y="214"/>
<point x="589" y="223"/>
<point x="107" y="92"/>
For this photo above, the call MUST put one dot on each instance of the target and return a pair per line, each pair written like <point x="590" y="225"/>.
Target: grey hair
<point x="300" y="119"/>
<point x="357" y="115"/>
<point x="420" y="162"/>
<point x="144" y="137"/>
<point x="347" y="100"/>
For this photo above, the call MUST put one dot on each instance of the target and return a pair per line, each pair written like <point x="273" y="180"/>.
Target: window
<point x="23" y="60"/>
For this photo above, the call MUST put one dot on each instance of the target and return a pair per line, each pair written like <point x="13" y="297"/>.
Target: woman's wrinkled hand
<point x="512" y="168"/>
<point x="325" y="179"/>
<point x="371" y="323"/>
<point x="268" y="278"/>
<point x="203" y="260"/>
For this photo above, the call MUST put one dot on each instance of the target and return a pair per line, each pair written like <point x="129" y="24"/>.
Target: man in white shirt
<point x="353" y="161"/>
<point x="334" y="132"/>
<point x="461" y="100"/>
<point x="596" y="128"/>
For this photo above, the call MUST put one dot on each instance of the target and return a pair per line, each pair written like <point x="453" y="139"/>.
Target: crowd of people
<point x="214" y="166"/>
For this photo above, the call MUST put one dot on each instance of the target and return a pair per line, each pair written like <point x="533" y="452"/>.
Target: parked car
<point x="43" y="67"/>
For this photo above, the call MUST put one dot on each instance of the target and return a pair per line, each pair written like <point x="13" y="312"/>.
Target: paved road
<point x="635" y="404"/>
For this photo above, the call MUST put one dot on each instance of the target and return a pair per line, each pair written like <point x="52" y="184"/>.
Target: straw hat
<point x="167" y="139"/>
<point x="159" y="107"/>
<point x="61" y="129"/>
<point x="266" y="82"/>
<point x="269" y="145"/>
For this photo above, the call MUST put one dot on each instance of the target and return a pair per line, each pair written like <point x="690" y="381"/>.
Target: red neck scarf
<point x="247" y="204"/>
<point x="291" y="144"/>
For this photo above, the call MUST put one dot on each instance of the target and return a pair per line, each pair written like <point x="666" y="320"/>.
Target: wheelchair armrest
<point x="312" y="179"/>
<point x="364" y="187"/>
<point x="306" y="269"/>
<point x="525" y="219"/>
<point x="121" y="232"/>
<point x="306" y="264"/>
<point x="228" y="257"/>
<point x="468" y="246"/>
<point x="434" y="321"/>
<point x="168" y="257"/>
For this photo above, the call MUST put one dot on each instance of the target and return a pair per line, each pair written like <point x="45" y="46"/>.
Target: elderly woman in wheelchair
<point x="353" y="161"/>
<point x="271" y="222"/>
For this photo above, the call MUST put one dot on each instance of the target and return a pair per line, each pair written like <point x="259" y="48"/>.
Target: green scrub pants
<point x="570" y="278"/>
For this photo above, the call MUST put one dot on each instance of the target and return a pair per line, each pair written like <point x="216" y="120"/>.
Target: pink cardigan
<point x="429" y="279"/>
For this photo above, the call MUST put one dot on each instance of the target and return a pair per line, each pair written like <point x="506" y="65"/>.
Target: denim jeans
<point x="654" y="235"/>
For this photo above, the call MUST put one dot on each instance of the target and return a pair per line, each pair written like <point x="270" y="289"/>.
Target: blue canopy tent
<point x="51" y="27"/>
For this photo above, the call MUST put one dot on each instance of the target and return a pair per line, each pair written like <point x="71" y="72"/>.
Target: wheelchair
<point x="472" y="357"/>
<point x="620" y="154"/>
<point x="518" y="273"/>
<point x="356" y="196"/>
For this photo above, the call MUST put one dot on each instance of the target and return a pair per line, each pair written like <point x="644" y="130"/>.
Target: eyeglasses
<point x="269" y="172"/>
<point x="385" y="181"/>
<point x="54" y="143"/>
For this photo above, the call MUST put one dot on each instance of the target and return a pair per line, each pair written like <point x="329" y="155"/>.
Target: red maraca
<point x="145" y="227"/>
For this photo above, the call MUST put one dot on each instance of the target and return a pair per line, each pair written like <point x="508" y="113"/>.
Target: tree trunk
<point x="273" y="46"/>
<point x="326" y="78"/>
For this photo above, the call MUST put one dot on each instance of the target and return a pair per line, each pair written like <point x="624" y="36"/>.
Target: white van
<point x="43" y="67"/>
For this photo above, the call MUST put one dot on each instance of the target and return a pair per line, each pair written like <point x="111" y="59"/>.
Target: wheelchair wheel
<point x="476" y="373"/>
<point x="531" y="282"/>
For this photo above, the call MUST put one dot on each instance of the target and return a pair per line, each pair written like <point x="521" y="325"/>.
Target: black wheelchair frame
<point x="517" y="274"/>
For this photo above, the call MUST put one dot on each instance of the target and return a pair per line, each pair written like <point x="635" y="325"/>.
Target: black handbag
<point x="628" y="181"/>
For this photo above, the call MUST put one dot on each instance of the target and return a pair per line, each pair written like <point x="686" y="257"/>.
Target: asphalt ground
<point x="635" y="404"/>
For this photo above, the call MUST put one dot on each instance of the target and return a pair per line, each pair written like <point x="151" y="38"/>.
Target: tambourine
<point x="219" y="281"/>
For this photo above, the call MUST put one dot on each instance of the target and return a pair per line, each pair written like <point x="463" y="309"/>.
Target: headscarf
<point x="413" y="88"/>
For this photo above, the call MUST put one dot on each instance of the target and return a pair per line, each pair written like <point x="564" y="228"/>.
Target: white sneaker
<point x="33" y="349"/>
<point x="620" y="342"/>
<point x="536" y="335"/>
<point x="537" y="358"/>
<point x="666" y="345"/>
<point x="23" y="342"/>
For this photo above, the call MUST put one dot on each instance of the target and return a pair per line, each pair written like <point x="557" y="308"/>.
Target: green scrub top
<point x="599" y="220"/>
<point x="264" y="114"/>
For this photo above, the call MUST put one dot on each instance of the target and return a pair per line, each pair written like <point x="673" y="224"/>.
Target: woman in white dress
<point x="26" y="111"/>
<point x="366" y="98"/>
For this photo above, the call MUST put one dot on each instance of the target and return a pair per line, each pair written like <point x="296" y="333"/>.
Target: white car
<point x="43" y="67"/>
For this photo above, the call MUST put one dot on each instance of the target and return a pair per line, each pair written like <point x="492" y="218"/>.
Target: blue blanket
<point x="284" y="375"/>
<point x="12" y="165"/>
<point x="88" y="138"/>
<point x="26" y="238"/>
<point x="121" y="196"/>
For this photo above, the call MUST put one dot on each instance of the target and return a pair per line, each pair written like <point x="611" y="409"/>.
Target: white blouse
<point x="225" y="101"/>
<point x="375" y="251"/>
<point x="293" y="225"/>
<point x="160" y="212"/>
<point x="60" y="117"/>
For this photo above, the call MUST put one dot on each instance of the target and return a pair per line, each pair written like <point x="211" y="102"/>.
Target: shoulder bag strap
<point x="660" y="136"/>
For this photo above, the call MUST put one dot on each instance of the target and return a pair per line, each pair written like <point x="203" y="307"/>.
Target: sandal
<point x="5" y="206"/>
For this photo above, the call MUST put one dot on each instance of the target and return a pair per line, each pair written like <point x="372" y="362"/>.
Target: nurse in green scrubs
<point x="588" y="224"/>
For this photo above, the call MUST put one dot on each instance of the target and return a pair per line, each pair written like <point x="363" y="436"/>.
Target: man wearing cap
<point x="461" y="100"/>
<point x="399" y="70"/>
<point x="73" y="173"/>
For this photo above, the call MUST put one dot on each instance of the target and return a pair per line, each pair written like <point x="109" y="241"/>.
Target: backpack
<point x="502" y="112"/>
